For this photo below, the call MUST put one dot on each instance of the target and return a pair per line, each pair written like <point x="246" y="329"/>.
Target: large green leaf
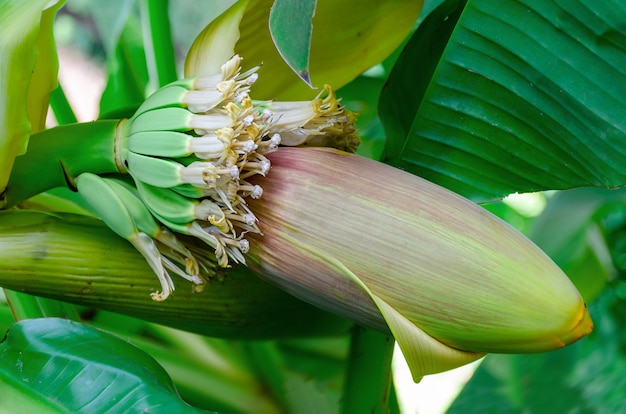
<point x="527" y="95"/>
<point x="55" y="365"/>
<point x="349" y="37"/>
<point x="208" y="373"/>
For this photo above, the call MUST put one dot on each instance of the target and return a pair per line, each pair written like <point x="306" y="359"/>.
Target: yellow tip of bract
<point x="583" y="327"/>
<point x="392" y="251"/>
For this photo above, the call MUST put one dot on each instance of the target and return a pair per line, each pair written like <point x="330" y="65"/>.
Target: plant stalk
<point x="78" y="260"/>
<point x="368" y="375"/>
<point x="57" y="155"/>
<point x="61" y="107"/>
<point x="160" y="57"/>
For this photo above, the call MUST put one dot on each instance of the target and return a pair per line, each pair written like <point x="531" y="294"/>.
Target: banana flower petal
<point x="216" y="43"/>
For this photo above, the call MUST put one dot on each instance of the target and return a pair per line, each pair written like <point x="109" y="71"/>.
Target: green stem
<point x="207" y="376"/>
<point x="6" y="315"/>
<point x="368" y="377"/>
<point x="57" y="155"/>
<point x="270" y="367"/>
<point x="160" y="56"/>
<point x="61" y="107"/>
<point x="24" y="306"/>
<point x="394" y="406"/>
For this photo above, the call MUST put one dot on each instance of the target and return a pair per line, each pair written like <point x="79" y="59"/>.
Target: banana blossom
<point x="395" y="252"/>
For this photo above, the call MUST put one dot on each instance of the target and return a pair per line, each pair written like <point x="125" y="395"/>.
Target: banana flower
<point x="395" y="252"/>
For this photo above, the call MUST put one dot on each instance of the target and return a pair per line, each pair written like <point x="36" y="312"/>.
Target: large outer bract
<point x="448" y="266"/>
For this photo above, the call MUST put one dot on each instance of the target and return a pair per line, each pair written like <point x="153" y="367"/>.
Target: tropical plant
<point x="263" y="278"/>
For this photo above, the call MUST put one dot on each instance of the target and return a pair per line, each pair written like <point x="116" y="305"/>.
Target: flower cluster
<point x="193" y="145"/>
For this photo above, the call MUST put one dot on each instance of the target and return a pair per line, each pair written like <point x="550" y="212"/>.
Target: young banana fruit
<point x="118" y="208"/>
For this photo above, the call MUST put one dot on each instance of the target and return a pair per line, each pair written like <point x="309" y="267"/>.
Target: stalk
<point x="56" y="156"/>
<point x="25" y="306"/>
<point x="368" y="376"/>
<point x="207" y="372"/>
<point x="158" y="39"/>
<point x="79" y="260"/>
<point x="61" y="107"/>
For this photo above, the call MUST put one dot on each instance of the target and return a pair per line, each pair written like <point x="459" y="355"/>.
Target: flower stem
<point x="61" y="107"/>
<point x="158" y="38"/>
<point x="25" y="306"/>
<point x="57" y="155"/>
<point x="368" y="376"/>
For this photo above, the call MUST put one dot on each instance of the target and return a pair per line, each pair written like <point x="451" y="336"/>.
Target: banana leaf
<point x="53" y="365"/>
<point x="515" y="96"/>
<point x="348" y="38"/>
<point x="28" y="65"/>
<point x="291" y="27"/>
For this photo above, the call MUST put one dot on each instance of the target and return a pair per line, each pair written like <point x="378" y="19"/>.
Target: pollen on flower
<point x="248" y="146"/>
<point x="254" y="191"/>
<point x="249" y="219"/>
<point x="234" y="172"/>
<point x="244" y="245"/>
<point x="248" y="120"/>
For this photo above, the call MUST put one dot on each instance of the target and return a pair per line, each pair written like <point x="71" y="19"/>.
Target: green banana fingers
<point x="191" y="151"/>
<point x="180" y="209"/>
<point x="146" y="223"/>
<point x="104" y="199"/>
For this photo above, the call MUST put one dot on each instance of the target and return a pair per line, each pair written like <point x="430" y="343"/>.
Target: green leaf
<point x="571" y="232"/>
<point x="55" y="365"/>
<point x="361" y="96"/>
<point x="349" y="37"/>
<point x="126" y="61"/>
<point x="110" y="17"/>
<point x="61" y="107"/>
<point x="28" y="65"/>
<point x="400" y="99"/>
<point x="291" y="28"/>
<point x="208" y="373"/>
<point x="527" y="96"/>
